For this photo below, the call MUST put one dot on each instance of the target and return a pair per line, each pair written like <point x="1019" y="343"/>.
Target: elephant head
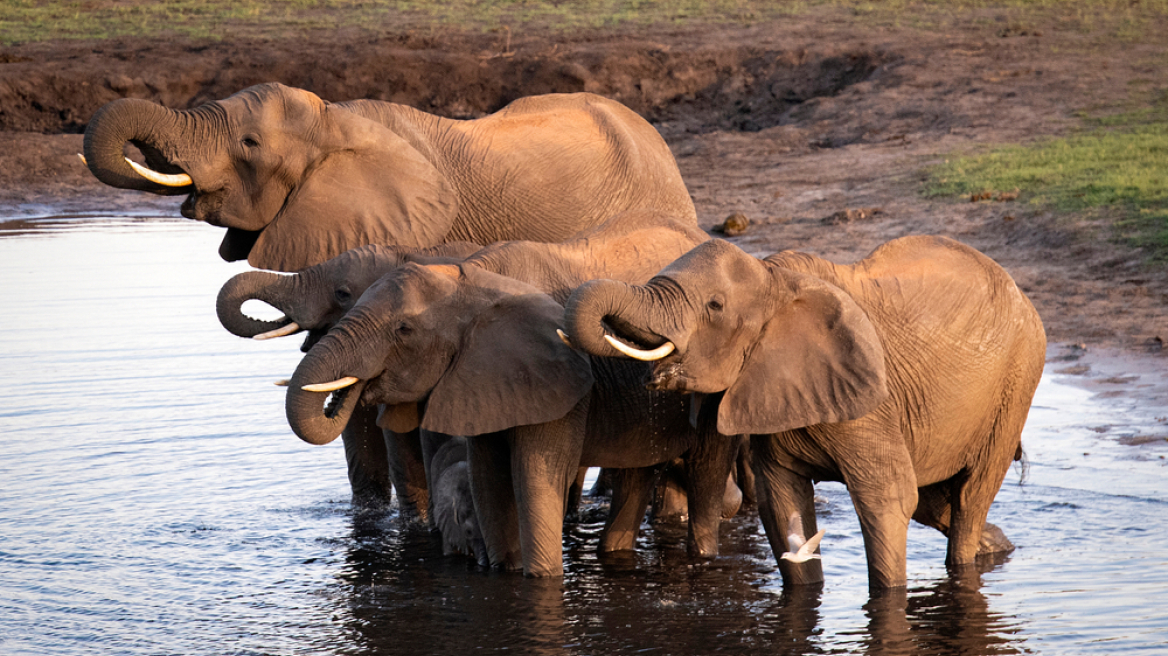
<point x="475" y="350"/>
<point x="317" y="297"/>
<point x="294" y="179"/>
<point x="787" y="349"/>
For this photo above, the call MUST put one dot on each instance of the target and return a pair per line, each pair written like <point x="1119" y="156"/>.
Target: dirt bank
<point x="791" y="124"/>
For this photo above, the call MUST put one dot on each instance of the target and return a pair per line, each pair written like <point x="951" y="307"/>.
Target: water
<point x="153" y="501"/>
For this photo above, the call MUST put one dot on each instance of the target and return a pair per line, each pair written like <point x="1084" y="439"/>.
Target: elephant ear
<point x="369" y="187"/>
<point x="818" y="360"/>
<point x="512" y="370"/>
<point x="398" y="417"/>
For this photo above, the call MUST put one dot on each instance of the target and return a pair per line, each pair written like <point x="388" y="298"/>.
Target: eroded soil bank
<point x="791" y="124"/>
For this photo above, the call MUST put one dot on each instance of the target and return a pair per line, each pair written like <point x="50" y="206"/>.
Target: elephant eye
<point x="715" y="304"/>
<point x="250" y="142"/>
<point x="404" y="330"/>
<point x="343" y="295"/>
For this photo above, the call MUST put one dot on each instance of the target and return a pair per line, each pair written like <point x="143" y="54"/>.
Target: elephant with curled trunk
<point x="464" y="351"/>
<point x="297" y="180"/>
<point x="312" y="301"/>
<point x="630" y="246"/>
<point x="907" y="376"/>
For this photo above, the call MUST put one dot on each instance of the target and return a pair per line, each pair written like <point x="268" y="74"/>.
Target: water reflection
<point x="153" y="501"/>
<point x="404" y="597"/>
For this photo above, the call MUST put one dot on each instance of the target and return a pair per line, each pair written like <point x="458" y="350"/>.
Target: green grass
<point x="24" y="21"/>
<point x="1116" y="167"/>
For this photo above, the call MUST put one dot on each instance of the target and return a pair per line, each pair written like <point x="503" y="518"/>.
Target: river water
<point x="154" y="501"/>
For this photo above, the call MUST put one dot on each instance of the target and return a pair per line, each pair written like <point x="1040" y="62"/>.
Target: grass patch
<point x="1117" y="166"/>
<point x="25" y="21"/>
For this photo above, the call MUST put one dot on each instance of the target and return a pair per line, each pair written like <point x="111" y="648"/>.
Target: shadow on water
<point x="399" y="595"/>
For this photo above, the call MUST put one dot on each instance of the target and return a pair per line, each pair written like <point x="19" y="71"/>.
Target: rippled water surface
<point x="153" y="501"/>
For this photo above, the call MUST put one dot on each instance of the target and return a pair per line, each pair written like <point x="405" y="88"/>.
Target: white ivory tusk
<point x="337" y="384"/>
<point x="279" y="332"/>
<point x="564" y="338"/>
<point x="164" y="179"/>
<point x="636" y="353"/>
<point x="83" y="159"/>
<point x="283" y="382"/>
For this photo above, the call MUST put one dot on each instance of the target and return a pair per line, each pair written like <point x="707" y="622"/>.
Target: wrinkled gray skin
<point x="907" y="376"/>
<point x="297" y="180"/>
<point x="670" y="502"/>
<point x="469" y="352"/>
<point x="379" y="459"/>
<point x="454" y="513"/>
<point x="630" y="246"/>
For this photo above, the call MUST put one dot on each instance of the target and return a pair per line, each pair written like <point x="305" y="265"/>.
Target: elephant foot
<point x="806" y="573"/>
<point x="993" y="541"/>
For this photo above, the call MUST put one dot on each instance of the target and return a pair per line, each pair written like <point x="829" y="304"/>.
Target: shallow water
<point x="153" y="501"/>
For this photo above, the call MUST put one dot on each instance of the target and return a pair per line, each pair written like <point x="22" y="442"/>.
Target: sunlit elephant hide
<point x="474" y="353"/>
<point x="297" y="180"/>
<point x="907" y="376"/>
<point x="630" y="246"/>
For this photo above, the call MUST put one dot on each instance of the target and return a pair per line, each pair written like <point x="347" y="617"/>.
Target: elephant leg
<point x="602" y="487"/>
<point x="408" y="471"/>
<point x="544" y="461"/>
<point x="670" y="503"/>
<point x="430" y="443"/>
<point x="781" y="495"/>
<point x="934" y="510"/>
<point x="743" y="473"/>
<point x="731" y="498"/>
<point x="575" y="493"/>
<point x="367" y="460"/>
<point x="631" y="489"/>
<point x="973" y="494"/>
<point x="881" y="481"/>
<point x="707" y="466"/>
<point x="491" y="485"/>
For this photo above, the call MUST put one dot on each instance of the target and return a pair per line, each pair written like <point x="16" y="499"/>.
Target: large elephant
<point x="630" y="246"/>
<point x="297" y="180"/>
<point x="464" y="351"/>
<point x="907" y="375"/>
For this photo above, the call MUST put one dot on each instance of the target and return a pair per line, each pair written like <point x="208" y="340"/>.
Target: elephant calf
<point x="454" y="513"/>
<point x="907" y="376"/>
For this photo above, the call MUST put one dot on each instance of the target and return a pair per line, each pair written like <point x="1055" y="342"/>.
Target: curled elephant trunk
<point x="265" y="286"/>
<point x="610" y="318"/>
<point x="154" y="129"/>
<point x="319" y="413"/>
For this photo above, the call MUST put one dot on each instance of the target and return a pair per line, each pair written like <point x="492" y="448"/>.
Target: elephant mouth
<point x="336" y="401"/>
<point x="668" y="372"/>
<point x="237" y="243"/>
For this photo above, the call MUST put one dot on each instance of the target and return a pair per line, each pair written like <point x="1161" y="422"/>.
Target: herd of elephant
<point x="490" y="306"/>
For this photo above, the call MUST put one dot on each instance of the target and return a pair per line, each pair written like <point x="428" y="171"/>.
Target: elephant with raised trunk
<point x="297" y="180"/>
<point x="907" y="376"/>
<point x="465" y="351"/>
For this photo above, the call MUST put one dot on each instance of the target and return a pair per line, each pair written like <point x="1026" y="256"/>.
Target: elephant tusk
<point x="564" y="338"/>
<point x="279" y="332"/>
<point x="637" y="354"/>
<point x="283" y="382"/>
<point x="164" y="179"/>
<point x="83" y="160"/>
<point x="335" y="385"/>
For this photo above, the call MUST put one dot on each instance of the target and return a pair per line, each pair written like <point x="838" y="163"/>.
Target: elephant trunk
<point x="265" y="286"/>
<point x="610" y="307"/>
<point x="155" y="130"/>
<point x="308" y="415"/>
